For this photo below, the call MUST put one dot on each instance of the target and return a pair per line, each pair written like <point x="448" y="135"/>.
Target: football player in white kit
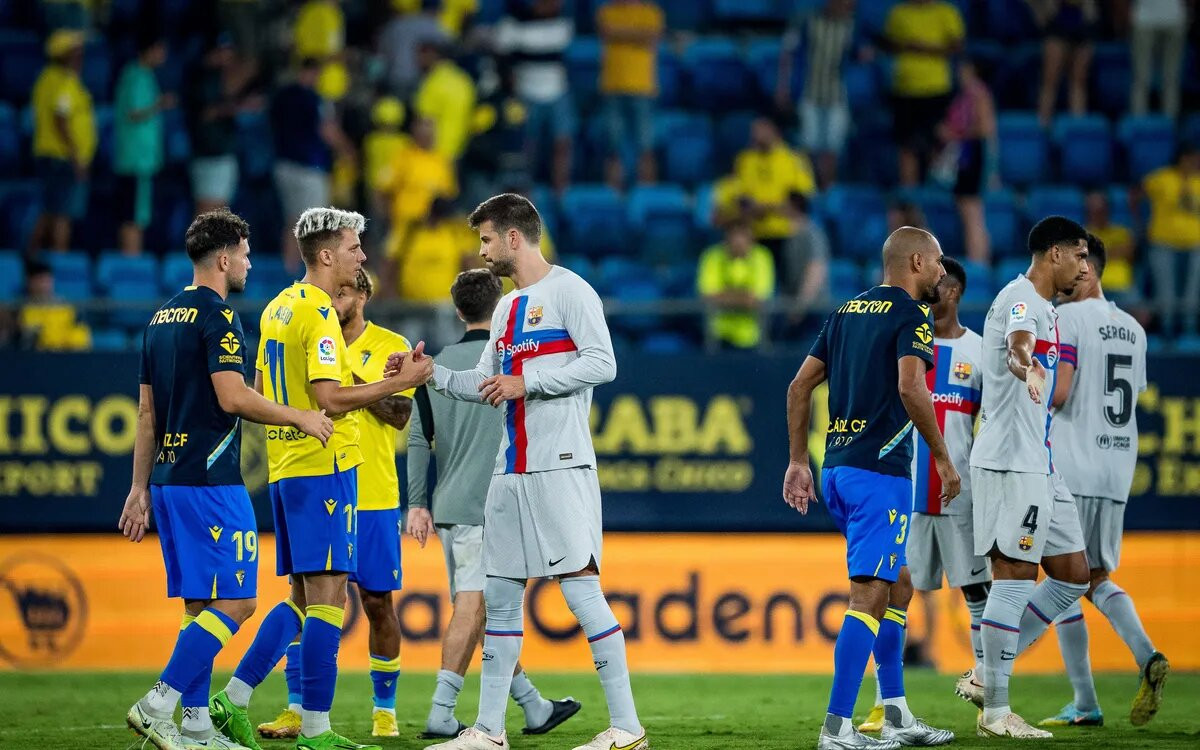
<point x="1095" y="437"/>
<point x="1021" y="515"/>
<point x="549" y="347"/>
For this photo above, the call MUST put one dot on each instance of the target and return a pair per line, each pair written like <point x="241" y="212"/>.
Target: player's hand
<point x="951" y="481"/>
<point x="135" y="516"/>
<point x="798" y="489"/>
<point x="500" y="388"/>
<point x="315" y="424"/>
<point x="1035" y="381"/>
<point x="420" y="525"/>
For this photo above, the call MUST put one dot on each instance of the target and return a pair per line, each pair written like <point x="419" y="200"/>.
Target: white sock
<point x="445" y="698"/>
<point x="999" y="633"/>
<point x="604" y="635"/>
<point x="1073" y="643"/>
<point x="896" y="713"/>
<point x="160" y="702"/>
<point x="504" y="601"/>
<point x="1116" y="605"/>
<point x="313" y="723"/>
<point x="197" y="723"/>
<point x="295" y="708"/>
<point x="976" y="610"/>
<point x="1049" y="600"/>
<point x="239" y="693"/>
<point x="537" y="709"/>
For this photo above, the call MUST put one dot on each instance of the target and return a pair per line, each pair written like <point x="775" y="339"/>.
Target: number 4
<point x="1030" y="521"/>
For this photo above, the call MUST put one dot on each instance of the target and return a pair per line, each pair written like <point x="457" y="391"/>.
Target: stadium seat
<point x="593" y="219"/>
<point x="1054" y="200"/>
<point x="177" y="144"/>
<point x="110" y="340"/>
<point x="578" y="264"/>
<point x="859" y="219"/>
<point x="1003" y="219"/>
<point x="268" y="276"/>
<point x="666" y="342"/>
<point x="872" y="15"/>
<point x="1119" y="209"/>
<point x="1024" y="151"/>
<point x="20" y="204"/>
<point x="547" y="205"/>
<point x="845" y="279"/>
<point x="763" y="58"/>
<point x="864" y="85"/>
<point x="1111" y="79"/>
<point x="759" y="11"/>
<point x="687" y="148"/>
<point x="10" y="141"/>
<point x="941" y="217"/>
<point x="105" y="139"/>
<point x="491" y="11"/>
<point x="980" y="286"/>
<point x="662" y="217"/>
<point x="23" y="60"/>
<point x="718" y="78"/>
<point x="1084" y="149"/>
<point x="72" y="274"/>
<point x="670" y="77"/>
<point x="733" y="135"/>
<point x="115" y="270"/>
<point x="679" y="279"/>
<point x="97" y="71"/>
<point x="1149" y="142"/>
<point x="687" y="15"/>
<point x="582" y="59"/>
<point x="641" y="292"/>
<point x="12" y="275"/>
<point x="177" y="272"/>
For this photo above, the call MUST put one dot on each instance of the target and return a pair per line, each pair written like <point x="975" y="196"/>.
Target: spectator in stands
<point x="320" y="34"/>
<point x="419" y="176"/>
<point x="307" y="134"/>
<point x="736" y="278"/>
<point x="138" y="137"/>
<point x="969" y="132"/>
<point x="216" y="93"/>
<point x="455" y="16"/>
<point x="805" y="265"/>
<point x="382" y="147"/>
<point x="767" y="173"/>
<point x="447" y="97"/>
<point x="400" y="40"/>
<point x="630" y="31"/>
<point x="242" y="20"/>
<point x="1159" y="34"/>
<point x="64" y="140"/>
<point x="925" y="35"/>
<point x="45" y="321"/>
<point x="435" y="250"/>
<point x="496" y="152"/>
<point x="532" y="43"/>
<point x="1069" y="28"/>
<point x="1174" y="236"/>
<point x="1118" y="280"/>
<point x="823" y="111"/>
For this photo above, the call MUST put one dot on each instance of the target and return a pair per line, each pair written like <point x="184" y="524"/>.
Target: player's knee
<point x="238" y="609"/>
<point x="378" y="606"/>
<point x="1099" y="576"/>
<point x="503" y="598"/>
<point x="901" y="593"/>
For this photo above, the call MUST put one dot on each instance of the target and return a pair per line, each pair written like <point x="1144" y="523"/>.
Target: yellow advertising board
<point x="687" y="603"/>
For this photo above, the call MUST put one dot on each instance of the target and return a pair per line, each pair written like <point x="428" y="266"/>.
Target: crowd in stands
<point x="749" y="155"/>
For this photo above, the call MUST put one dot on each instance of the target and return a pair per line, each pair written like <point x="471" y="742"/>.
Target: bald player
<point x="875" y="351"/>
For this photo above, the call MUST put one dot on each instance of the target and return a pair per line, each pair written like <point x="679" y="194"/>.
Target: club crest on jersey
<point x="962" y="370"/>
<point x="1025" y="543"/>
<point x="535" y="315"/>
<point x="1018" y="312"/>
<point x="326" y="351"/>
<point x="365" y="357"/>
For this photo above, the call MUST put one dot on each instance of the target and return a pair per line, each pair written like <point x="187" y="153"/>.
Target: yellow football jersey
<point x="301" y="342"/>
<point x="378" y="485"/>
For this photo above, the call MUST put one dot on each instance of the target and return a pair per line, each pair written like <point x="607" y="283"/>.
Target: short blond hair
<point x="318" y="227"/>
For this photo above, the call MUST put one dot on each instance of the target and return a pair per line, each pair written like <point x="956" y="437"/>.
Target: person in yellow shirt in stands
<point x="630" y="31"/>
<point x="64" y="140"/>
<point x="1174" y="236"/>
<point x="45" y="321"/>
<point x="432" y="255"/>
<point x="455" y="15"/>
<point x="447" y="97"/>
<point x="766" y="174"/>
<point x="1118" y="280"/>
<point x="924" y="35"/>
<point x="320" y="34"/>
<point x="736" y="278"/>
<point x="381" y="151"/>
<point x="419" y="175"/>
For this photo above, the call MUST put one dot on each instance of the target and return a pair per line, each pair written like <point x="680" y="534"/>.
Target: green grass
<point x="49" y="711"/>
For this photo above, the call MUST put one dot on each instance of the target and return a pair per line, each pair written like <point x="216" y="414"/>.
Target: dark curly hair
<point x="212" y="231"/>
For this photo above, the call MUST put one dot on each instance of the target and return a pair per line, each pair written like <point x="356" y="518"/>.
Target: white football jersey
<point x="1095" y="433"/>
<point x="553" y="333"/>
<point x="956" y="382"/>
<point x="1014" y="432"/>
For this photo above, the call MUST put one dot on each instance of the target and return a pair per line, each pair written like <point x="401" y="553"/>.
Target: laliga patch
<point x="326" y="351"/>
<point x="1018" y="312"/>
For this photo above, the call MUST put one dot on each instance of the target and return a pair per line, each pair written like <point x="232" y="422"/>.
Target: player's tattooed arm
<point x="393" y="410"/>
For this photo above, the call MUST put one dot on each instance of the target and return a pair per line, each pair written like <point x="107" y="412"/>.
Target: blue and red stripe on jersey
<point x="517" y="346"/>
<point x="1049" y="354"/>
<point x="1068" y="354"/>
<point x="949" y="397"/>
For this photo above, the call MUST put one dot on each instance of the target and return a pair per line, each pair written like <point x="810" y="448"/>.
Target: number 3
<point x="903" y="529"/>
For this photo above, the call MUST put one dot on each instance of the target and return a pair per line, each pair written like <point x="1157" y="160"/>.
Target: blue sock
<point x="384" y="673"/>
<point x="889" y="653"/>
<point x="850" y="654"/>
<point x="279" y="628"/>
<point x="318" y="656"/>
<point x="291" y="673"/>
<point x="198" y="644"/>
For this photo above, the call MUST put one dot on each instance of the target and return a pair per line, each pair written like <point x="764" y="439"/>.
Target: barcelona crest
<point x="535" y="315"/>
<point x="962" y="370"/>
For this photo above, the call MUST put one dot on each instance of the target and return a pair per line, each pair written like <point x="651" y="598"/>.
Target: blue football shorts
<point x="872" y="510"/>
<point x="315" y="529"/>
<point x="209" y="540"/>
<point x="378" y="550"/>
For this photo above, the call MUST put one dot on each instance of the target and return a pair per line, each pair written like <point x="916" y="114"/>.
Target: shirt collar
<point x="475" y="335"/>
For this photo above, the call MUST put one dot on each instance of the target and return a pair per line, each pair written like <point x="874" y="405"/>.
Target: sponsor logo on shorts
<point x="215" y="531"/>
<point x="1025" y="543"/>
<point x="556" y="562"/>
<point x="891" y="516"/>
<point x="1113" y="442"/>
<point x="326" y="351"/>
<point x="977" y="572"/>
<point x="330" y="506"/>
<point x="240" y="576"/>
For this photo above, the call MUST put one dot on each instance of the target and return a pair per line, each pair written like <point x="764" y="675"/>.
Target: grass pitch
<point x="57" y="711"/>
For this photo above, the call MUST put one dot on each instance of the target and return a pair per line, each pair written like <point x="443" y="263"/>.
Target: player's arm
<point x="1023" y="365"/>
<point x="240" y="400"/>
<point x="798" y="490"/>
<point x="420" y="441"/>
<point x="337" y="399"/>
<point x="135" y="516"/>
<point x="918" y="403"/>
<point x="1063" y="378"/>
<point x="394" y="410"/>
<point x="463" y="385"/>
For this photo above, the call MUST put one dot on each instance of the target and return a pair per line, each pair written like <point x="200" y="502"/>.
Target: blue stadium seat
<point x="845" y="279"/>
<point x="12" y="275"/>
<point x="1189" y="131"/>
<point x="1003" y="219"/>
<point x="666" y="342"/>
<point x="582" y="59"/>
<point x="670" y="77"/>
<point x="114" y="269"/>
<point x="749" y="10"/>
<point x="1112" y="79"/>
<point x="97" y="71"/>
<point x="491" y="11"/>
<point x="859" y="219"/>
<point x="547" y="205"/>
<point x="110" y="340"/>
<point x="662" y="217"/>
<point x="718" y="78"/>
<point x="733" y="135"/>
<point x="612" y="272"/>
<point x="267" y="276"/>
<point x="1024" y="151"/>
<point x="177" y="272"/>
<point x="980" y="287"/>
<point x="1051" y="200"/>
<point x="941" y="217"/>
<point x="593" y="216"/>
<point x="20" y="204"/>
<point x="105" y="139"/>
<point x="687" y="148"/>
<point x="1119" y="210"/>
<point x="679" y="279"/>
<point x="10" y="141"/>
<point x="23" y="60"/>
<point x="864" y="85"/>
<point x="1085" y="149"/>
<point x="872" y="15"/>
<point x="642" y="291"/>
<point x="177" y="143"/>
<point x="580" y="265"/>
<point x="687" y="15"/>
<point x="1010" y="20"/>
<point x="72" y="274"/>
<point x="1007" y="270"/>
<point x="763" y="58"/>
<point x="1149" y="142"/>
